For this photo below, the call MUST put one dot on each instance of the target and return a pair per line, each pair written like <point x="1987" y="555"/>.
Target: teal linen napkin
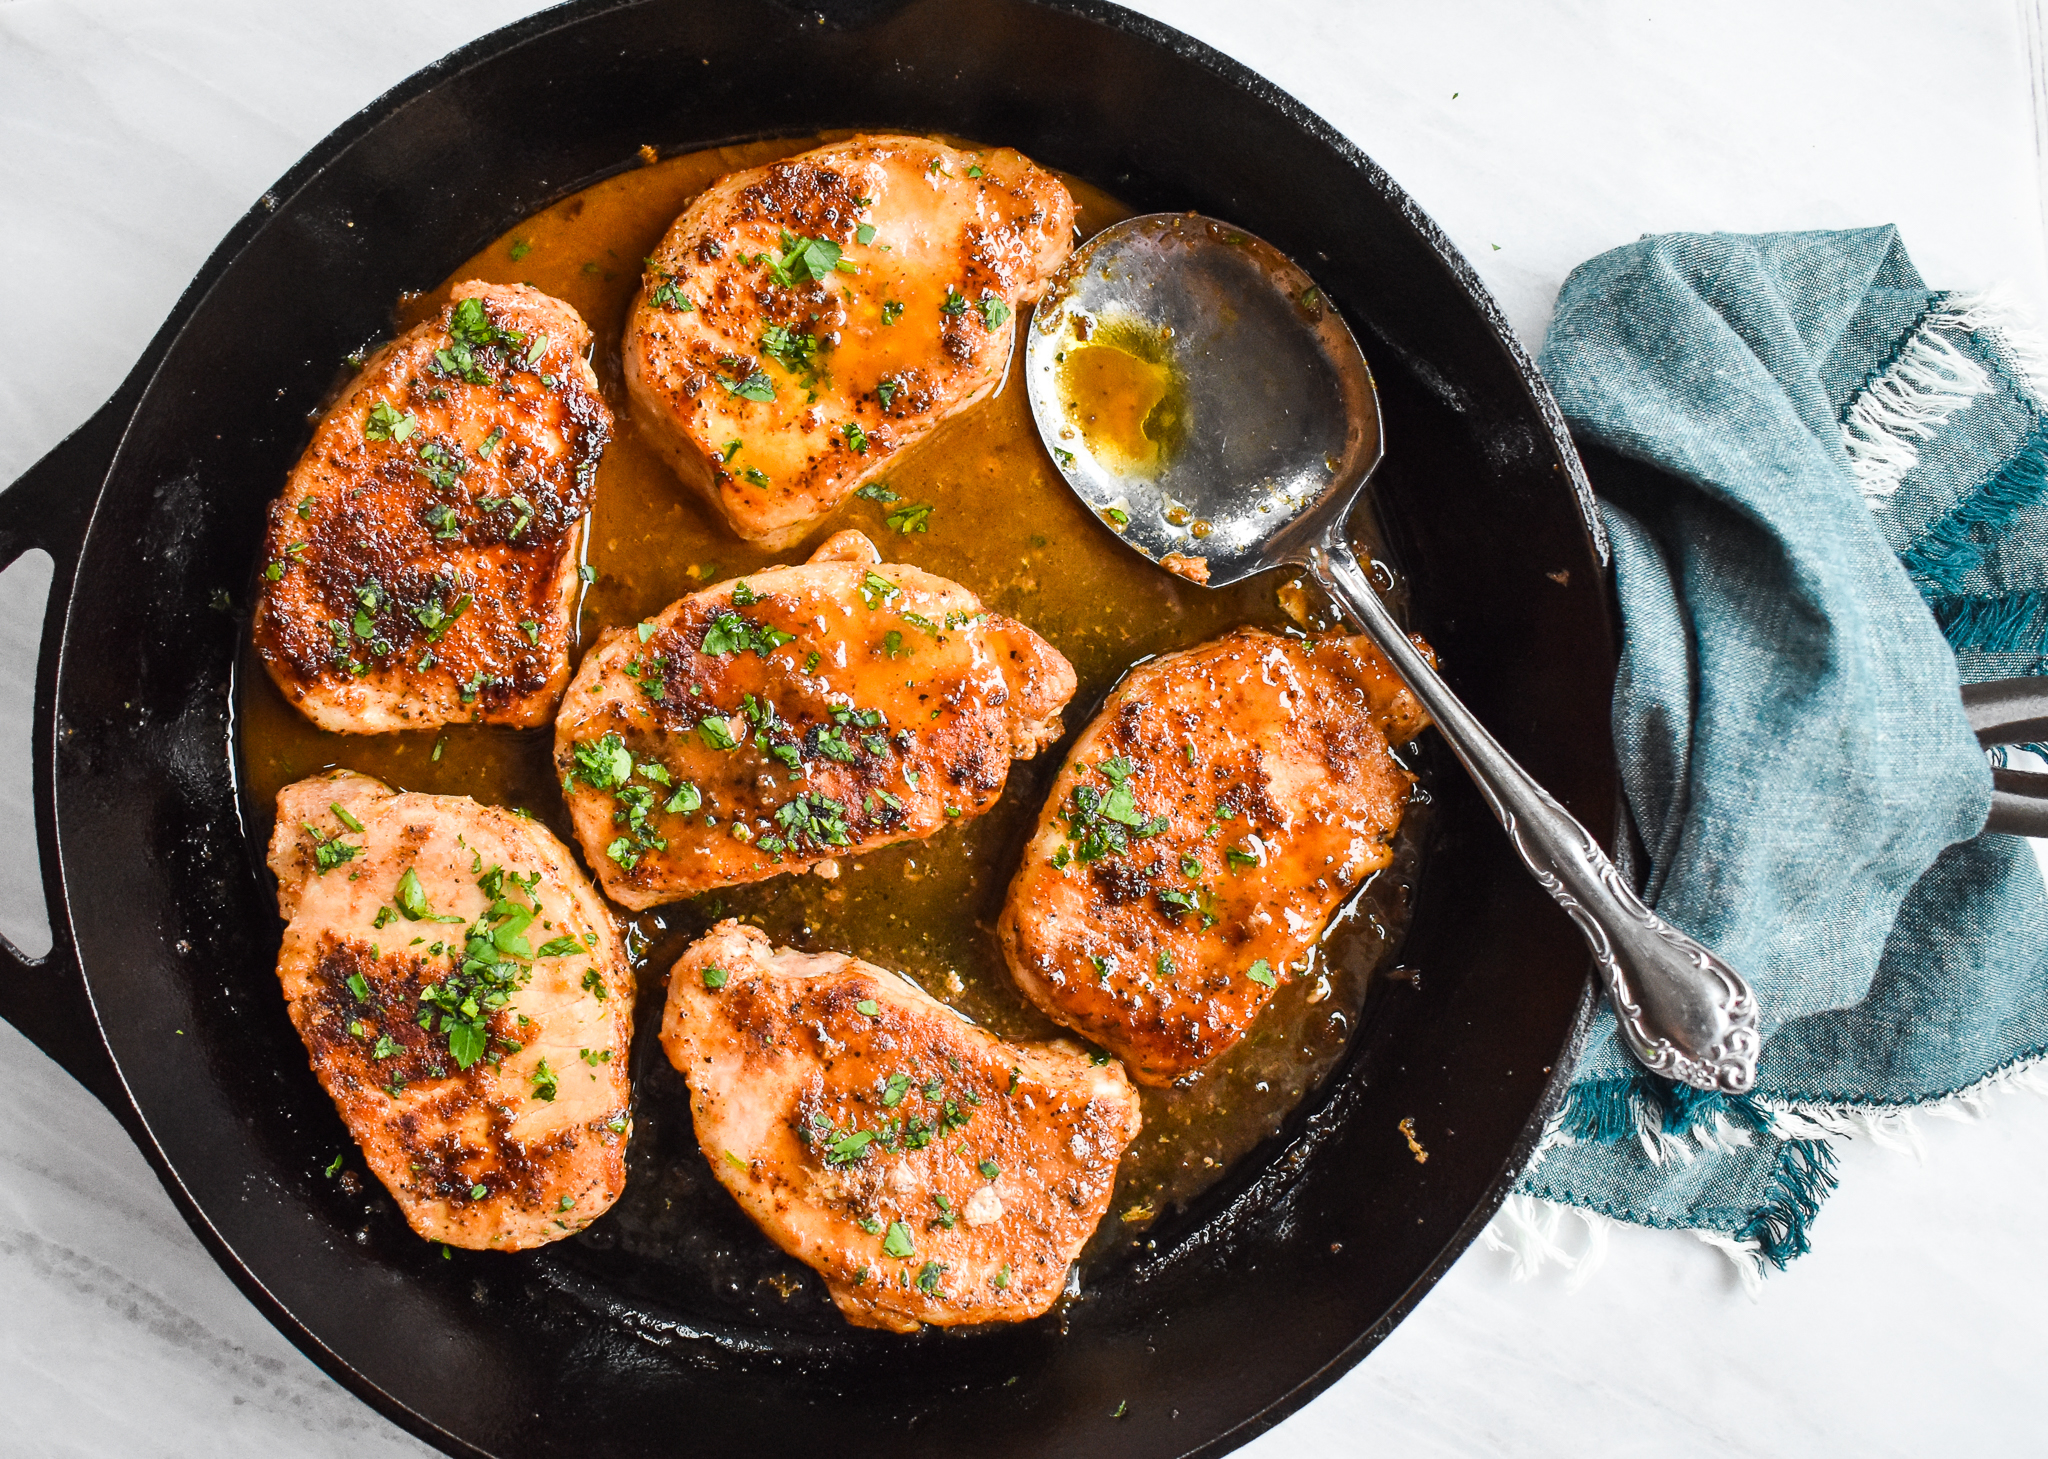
<point x="1829" y="508"/>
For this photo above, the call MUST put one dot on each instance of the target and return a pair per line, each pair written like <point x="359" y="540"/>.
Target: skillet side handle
<point x="49" y="507"/>
<point x="2012" y="712"/>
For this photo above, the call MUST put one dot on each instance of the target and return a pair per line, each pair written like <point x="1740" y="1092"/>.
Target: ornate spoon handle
<point x="1683" y="1011"/>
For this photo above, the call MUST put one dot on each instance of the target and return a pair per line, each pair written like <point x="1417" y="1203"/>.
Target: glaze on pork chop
<point x="929" y="1171"/>
<point x="467" y="1003"/>
<point x="420" y="566"/>
<point x="804" y="322"/>
<point x="780" y="721"/>
<point x="1223" y="805"/>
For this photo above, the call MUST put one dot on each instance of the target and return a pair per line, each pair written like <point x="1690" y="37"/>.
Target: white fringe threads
<point x="1531" y="1230"/>
<point x="1914" y="396"/>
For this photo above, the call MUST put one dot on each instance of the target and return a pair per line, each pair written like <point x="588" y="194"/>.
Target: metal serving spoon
<point x="1200" y="395"/>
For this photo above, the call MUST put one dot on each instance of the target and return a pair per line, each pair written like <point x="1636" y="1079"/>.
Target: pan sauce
<point x="1003" y="524"/>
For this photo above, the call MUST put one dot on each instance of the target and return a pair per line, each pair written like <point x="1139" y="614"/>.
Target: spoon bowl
<point x="1200" y="394"/>
<point x="1206" y="400"/>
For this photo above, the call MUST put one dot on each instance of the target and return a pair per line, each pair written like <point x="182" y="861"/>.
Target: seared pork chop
<point x="467" y="1003"/>
<point x="794" y="716"/>
<point x="805" y="321"/>
<point x="929" y="1171"/>
<point x="1222" y="806"/>
<point x="420" y="567"/>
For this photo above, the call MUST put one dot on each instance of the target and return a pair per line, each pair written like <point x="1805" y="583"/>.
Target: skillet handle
<point x="50" y="507"/>
<point x="2012" y="712"/>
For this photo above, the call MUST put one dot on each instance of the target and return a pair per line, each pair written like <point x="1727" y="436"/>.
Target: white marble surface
<point x="133" y="133"/>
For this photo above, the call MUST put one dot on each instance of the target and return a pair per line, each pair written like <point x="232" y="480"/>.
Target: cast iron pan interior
<point x="1294" y="1268"/>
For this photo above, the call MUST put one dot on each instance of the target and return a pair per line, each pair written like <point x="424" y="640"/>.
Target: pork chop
<point x="1223" y="805"/>
<point x="467" y="1003"/>
<point x="929" y="1171"/>
<point x="804" y="322"/>
<point x="780" y="721"/>
<point x="420" y="566"/>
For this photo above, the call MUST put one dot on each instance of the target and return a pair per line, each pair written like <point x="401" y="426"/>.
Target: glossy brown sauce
<point x="1003" y="524"/>
<point x="1124" y="396"/>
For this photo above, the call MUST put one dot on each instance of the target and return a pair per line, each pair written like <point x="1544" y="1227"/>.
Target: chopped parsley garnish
<point x="868" y="1007"/>
<point x="994" y="312"/>
<point x="744" y="596"/>
<point x="386" y="1047"/>
<point x="892" y="310"/>
<point x="478" y="1192"/>
<point x="989" y="1169"/>
<point x="494" y="961"/>
<point x="956" y="302"/>
<point x="864" y="234"/>
<point x="593" y="982"/>
<point x="908" y="518"/>
<point x="849" y="1147"/>
<point x="544" y="1083"/>
<point x="603" y="764"/>
<point x="491" y="442"/>
<point x="716" y="733"/>
<point x="832" y="743"/>
<point x="815" y="258"/>
<point x="811" y="819"/>
<point x="684" y="801"/>
<point x="894" y="1090"/>
<point x="470" y="330"/>
<point x="755" y="476"/>
<point x="447" y="524"/>
<point x="756" y="386"/>
<point x="1103" y="825"/>
<point x="519" y="249"/>
<point x="669" y="295"/>
<point x="431" y="616"/>
<point x="898" y="1243"/>
<point x="796" y="351"/>
<point x="928" y="1277"/>
<point x="412" y="898"/>
<point x="1118" y="517"/>
<point x="651" y="675"/>
<point x="714" y="977"/>
<point x="330" y="851"/>
<point x="729" y="634"/>
<point x="341" y="813"/>
<point x="878" y="491"/>
<point x="1165" y="964"/>
<point x="856" y="439"/>
<point x="1239" y="859"/>
<point x="892" y="644"/>
<point x="386" y="424"/>
<point x="444" y="468"/>
<point x="1261" y="972"/>
<point x="876" y="590"/>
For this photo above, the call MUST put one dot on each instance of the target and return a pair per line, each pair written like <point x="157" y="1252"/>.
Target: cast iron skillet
<point x="160" y="994"/>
